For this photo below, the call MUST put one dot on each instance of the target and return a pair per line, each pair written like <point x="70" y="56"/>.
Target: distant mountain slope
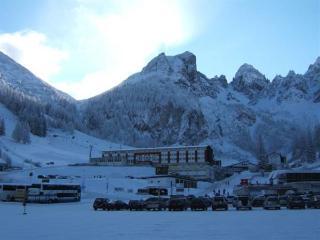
<point x="32" y="99"/>
<point x="170" y="102"/>
<point x="18" y="77"/>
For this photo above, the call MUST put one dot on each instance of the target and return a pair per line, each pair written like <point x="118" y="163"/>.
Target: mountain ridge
<point x="171" y="103"/>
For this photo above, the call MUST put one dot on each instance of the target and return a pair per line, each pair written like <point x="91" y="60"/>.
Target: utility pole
<point x="90" y="153"/>
<point x="24" y="203"/>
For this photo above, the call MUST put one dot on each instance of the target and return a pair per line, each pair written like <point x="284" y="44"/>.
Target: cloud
<point x="119" y="37"/>
<point x="106" y="42"/>
<point x="31" y="49"/>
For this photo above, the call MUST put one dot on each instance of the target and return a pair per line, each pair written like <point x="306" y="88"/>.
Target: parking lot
<point x="79" y="221"/>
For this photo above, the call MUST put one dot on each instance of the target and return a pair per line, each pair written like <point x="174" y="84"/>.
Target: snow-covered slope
<point x="58" y="146"/>
<point x="170" y="102"/>
<point x="18" y="77"/>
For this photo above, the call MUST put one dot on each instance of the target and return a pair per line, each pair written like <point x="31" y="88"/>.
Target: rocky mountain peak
<point x="189" y="66"/>
<point x="183" y="66"/>
<point x="158" y="64"/>
<point x="249" y="80"/>
<point x="314" y="70"/>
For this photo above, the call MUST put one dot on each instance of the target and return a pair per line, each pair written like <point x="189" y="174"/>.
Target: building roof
<point x="241" y="164"/>
<point x="154" y="149"/>
<point x="169" y="176"/>
<point x="2" y="162"/>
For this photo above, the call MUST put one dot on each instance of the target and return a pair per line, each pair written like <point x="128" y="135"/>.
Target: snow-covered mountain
<point x="170" y="102"/>
<point x="21" y="79"/>
<point x="31" y="98"/>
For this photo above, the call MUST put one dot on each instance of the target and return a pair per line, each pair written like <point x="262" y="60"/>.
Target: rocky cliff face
<point x="170" y="102"/>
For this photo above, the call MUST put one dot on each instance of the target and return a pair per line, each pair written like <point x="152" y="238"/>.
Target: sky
<point x="85" y="47"/>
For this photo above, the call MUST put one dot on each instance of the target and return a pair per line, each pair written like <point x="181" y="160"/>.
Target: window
<point x="196" y="156"/>
<point x="187" y="156"/>
<point x="9" y="188"/>
<point x="168" y="157"/>
<point x="177" y="156"/>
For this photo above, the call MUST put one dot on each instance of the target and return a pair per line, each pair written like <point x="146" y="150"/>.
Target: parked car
<point x="136" y="205"/>
<point x="219" y="203"/>
<point x="314" y="202"/>
<point x="198" y="204"/>
<point x="207" y="201"/>
<point x="230" y="199"/>
<point x="178" y="204"/>
<point x="117" y="205"/>
<point x="258" y="201"/>
<point x="190" y="197"/>
<point x="100" y="203"/>
<point x="295" y="201"/>
<point x="272" y="202"/>
<point x="156" y="203"/>
<point x="306" y="197"/>
<point x="283" y="200"/>
<point x="243" y="203"/>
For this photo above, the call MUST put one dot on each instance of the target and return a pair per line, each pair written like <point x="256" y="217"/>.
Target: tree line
<point x="38" y="114"/>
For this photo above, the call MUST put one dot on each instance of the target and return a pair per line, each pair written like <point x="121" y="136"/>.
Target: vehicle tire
<point x="95" y="209"/>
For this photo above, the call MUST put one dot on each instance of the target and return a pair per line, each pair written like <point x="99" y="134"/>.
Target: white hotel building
<point x="156" y="156"/>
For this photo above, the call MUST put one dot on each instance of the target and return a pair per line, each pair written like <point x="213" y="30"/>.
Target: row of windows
<point x="300" y="177"/>
<point x="60" y="187"/>
<point x="160" y="157"/>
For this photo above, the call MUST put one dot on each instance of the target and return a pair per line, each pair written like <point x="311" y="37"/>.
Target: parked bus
<point x="40" y="192"/>
<point x="13" y="192"/>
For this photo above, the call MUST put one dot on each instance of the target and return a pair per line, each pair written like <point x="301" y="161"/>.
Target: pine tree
<point x="310" y="148"/>
<point x="316" y="138"/>
<point x="2" y="127"/>
<point x="21" y="133"/>
<point x="299" y="145"/>
<point x="261" y="153"/>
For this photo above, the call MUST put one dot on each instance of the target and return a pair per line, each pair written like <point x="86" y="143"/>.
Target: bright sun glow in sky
<point x="85" y="47"/>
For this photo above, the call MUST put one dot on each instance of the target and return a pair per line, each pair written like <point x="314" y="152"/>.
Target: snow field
<point x="79" y="221"/>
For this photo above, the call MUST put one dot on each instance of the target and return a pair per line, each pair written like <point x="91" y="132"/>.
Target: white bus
<point x="40" y="192"/>
<point x="13" y="192"/>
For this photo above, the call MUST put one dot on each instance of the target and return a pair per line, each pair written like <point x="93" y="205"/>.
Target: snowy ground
<point x="78" y="221"/>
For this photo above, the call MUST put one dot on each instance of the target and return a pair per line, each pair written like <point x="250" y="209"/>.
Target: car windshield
<point x="100" y="199"/>
<point x="243" y="198"/>
<point x="297" y="198"/>
<point x="152" y="199"/>
<point x="218" y="198"/>
<point x="273" y="199"/>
